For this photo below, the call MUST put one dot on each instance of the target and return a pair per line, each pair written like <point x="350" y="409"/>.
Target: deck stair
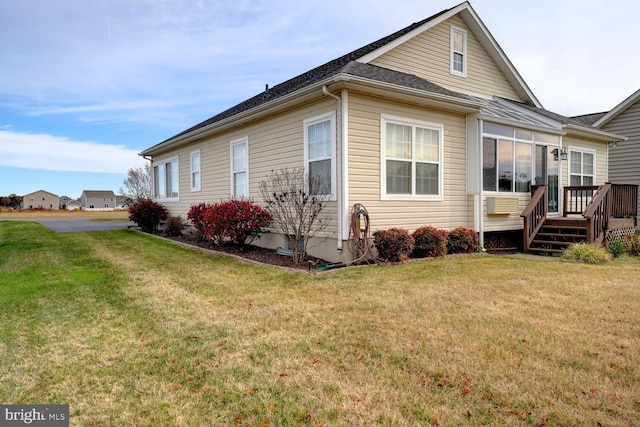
<point x="556" y="234"/>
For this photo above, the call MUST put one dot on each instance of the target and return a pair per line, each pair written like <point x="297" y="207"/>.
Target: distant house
<point x="67" y="203"/>
<point x="98" y="200"/>
<point x="624" y="156"/>
<point x="122" y="202"/>
<point x="40" y="200"/>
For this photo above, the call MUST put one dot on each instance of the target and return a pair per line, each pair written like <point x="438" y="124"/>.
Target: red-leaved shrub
<point x="394" y="244"/>
<point x="462" y="240"/>
<point x="239" y="221"/>
<point x="147" y="214"/>
<point x="429" y="242"/>
<point x="196" y="216"/>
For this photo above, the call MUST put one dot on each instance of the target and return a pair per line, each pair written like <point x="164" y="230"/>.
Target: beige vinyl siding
<point x="273" y="143"/>
<point x="364" y="167"/>
<point x="504" y="222"/>
<point x="427" y="55"/>
<point x="624" y="159"/>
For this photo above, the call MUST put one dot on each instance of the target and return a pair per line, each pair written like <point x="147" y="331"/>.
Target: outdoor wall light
<point x="564" y="153"/>
<point x="612" y="144"/>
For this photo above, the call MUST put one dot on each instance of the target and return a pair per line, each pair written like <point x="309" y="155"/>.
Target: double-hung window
<point x="319" y="153"/>
<point x="240" y="168"/>
<point x="166" y="180"/>
<point x="195" y="171"/>
<point x="581" y="167"/>
<point x="458" y="45"/>
<point x="412" y="159"/>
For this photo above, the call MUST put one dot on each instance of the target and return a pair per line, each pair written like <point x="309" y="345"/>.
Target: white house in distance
<point x="431" y="125"/>
<point x="103" y="200"/>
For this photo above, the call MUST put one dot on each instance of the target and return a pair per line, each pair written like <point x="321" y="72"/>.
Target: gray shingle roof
<point x="589" y="119"/>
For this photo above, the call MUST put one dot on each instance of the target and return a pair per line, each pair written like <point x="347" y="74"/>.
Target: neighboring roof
<point x="635" y="97"/>
<point x="40" y="191"/>
<point x="98" y="193"/>
<point x="354" y="63"/>
<point x="589" y="119"/>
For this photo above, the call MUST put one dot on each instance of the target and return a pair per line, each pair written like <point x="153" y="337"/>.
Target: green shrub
<point x="394" y="244"/>
<point x="174" y="226"/>
<point x="588" y="253"/>
<point x="617" y="246"/>
<point x="462" y="240"/>
<point x="147" y="214"/>
<point x="429" y="242"/>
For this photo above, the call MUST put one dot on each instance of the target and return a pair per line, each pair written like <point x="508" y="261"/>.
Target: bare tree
<point x="137" y="186"/>
<point x="295" y="208"/>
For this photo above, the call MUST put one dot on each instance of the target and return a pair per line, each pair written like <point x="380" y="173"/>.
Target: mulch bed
<point x="253" y="253"/>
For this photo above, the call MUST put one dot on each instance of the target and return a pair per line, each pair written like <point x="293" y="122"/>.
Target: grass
<point x="132" y="330"/>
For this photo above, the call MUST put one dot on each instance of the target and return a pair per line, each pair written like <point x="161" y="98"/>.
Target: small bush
<point x="617" y="246"/>
<point x="394" y="244"/>
<point x="147" y="214"/>
<point x="429" y="242"/>
<point x="196" y="216"/>
<point x="462" y="240"/>
<point x="239" y="221"/>
<point x="174" y="226"/>
<point x="587" y="253"/>
<point x="633" y="244"/>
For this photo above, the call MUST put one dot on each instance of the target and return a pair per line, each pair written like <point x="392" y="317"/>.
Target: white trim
<point x="195" y="188"/>
<point x="232" y="172"/>
<point x="344" y="180"/>
<point x="331" y="117"/>
<point x="618" y="109"/>
<point x="384" y="119"/>
<point x="453" y="31"/>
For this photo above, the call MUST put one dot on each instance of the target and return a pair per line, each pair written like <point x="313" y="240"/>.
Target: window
<point x="319" y="153"/>
<point x="581" y="167"/>
<point x="412" y="159"/>
<point x="458" y="51"/>
<point x="195" y="171"/>
<point x="165" y="179"/>
<point x="239" y="168"/>
<point x="507" y="158"/>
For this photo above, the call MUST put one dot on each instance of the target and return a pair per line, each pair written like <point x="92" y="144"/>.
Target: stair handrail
<point x="534" y="214"/>
<point x="597" y="214"/>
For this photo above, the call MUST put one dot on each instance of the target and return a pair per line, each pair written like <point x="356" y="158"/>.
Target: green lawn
<point x="131" y="330"/>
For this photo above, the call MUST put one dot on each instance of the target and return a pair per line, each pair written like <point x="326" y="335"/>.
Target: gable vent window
<point x="458" y="52"/>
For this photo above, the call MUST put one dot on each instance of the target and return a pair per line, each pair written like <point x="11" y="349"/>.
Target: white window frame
<point x="331" y="117"/>
<point x="581" y="150"/>
<point x="197" y="186"/>
<point x="163" y="163"/>
<point x="456" y="30"/>
<point x="242" y="141"/>
<point x="384" y="119"/>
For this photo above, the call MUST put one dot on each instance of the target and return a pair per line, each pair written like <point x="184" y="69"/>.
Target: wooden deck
<point x="588" y="213"/>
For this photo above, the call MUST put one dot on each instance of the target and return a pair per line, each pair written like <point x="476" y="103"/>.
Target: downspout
<point x="339" y="175"/>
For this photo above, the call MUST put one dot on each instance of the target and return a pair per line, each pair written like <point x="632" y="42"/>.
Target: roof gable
<point x="617" y="110"/>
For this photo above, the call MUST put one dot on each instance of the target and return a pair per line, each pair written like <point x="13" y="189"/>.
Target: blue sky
<point x="85" y="85"/>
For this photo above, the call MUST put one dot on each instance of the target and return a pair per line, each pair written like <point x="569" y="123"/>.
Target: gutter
<point x="594" y="133"/>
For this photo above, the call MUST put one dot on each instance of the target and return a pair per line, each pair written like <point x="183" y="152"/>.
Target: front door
<point x="547" y="174"/>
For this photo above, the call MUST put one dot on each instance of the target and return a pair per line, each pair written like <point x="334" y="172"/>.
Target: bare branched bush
<point x="296" y="210"/>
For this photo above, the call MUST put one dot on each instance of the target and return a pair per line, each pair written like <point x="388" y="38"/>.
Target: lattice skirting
<point x="620" y="233"/>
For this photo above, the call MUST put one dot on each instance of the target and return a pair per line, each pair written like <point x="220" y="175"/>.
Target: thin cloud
<point x="48" y="152"/>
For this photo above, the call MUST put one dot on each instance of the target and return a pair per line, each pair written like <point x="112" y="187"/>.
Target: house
<point x="40" y="200"/>
<point x="91" y="200"/>
<point x="67" y="203"/>
<point x="429" y="125"/>
<point x="624" y="156"/>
